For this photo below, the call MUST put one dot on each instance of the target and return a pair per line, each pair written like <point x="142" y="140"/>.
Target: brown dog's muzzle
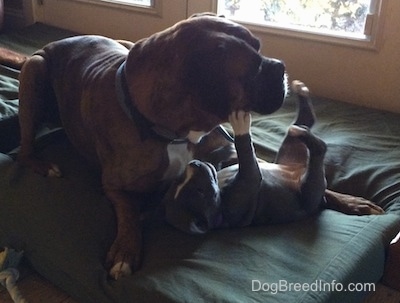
<point x="269" y="87"/>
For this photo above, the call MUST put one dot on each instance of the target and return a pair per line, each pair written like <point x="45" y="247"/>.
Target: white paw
<point x="195" y="136"/>
<point x="299" y="88"/>
<point x="54" y="172"/>
<point x="297" y="131"/>
<point x="120" y="269"/>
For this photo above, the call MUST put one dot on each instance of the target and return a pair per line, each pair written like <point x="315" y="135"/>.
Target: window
<point x="146" y="3"/>
<point x="147" y="6"/>
<point x="353" y="22"/>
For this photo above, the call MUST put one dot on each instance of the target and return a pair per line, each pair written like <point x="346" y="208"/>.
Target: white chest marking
<point x="179" y="157"/>
<point x="189" y="174"/>
<point x="226" y="174"/>
<point x="195" y="136"/>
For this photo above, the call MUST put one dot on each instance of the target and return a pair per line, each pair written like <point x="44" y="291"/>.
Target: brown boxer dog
<point x="122" y="108"/>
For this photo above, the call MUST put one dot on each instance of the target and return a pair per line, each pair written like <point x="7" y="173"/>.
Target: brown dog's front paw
<point x="120" y="269"/>
<point x="123" y="258"/>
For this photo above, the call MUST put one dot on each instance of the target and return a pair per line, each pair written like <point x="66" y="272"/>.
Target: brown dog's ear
<point x="218" y="71"/>
<point x="206" y="80"/>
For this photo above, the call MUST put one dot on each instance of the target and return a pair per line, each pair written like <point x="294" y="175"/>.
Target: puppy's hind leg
<point x="33" y="94"/>
<point x="305" y="113"/>
<point x="313" y="182"/>
<point x="293" y="150"/>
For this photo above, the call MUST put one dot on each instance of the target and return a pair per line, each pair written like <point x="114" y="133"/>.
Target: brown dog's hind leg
<point x="33" y="92"/>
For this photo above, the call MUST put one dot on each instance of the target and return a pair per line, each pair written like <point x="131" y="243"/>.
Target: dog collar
<point x="146" y="128"/>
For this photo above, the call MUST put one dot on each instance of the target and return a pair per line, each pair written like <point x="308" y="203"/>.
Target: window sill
<point x="154" y="10"/>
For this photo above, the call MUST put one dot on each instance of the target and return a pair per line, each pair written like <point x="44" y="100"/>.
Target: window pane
<point x="340" y="16"/>
<point x="135" y="2"/>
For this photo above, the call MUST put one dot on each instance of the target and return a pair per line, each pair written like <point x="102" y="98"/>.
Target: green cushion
<point x="9" y="131"/>
<point x="66" y="226"/>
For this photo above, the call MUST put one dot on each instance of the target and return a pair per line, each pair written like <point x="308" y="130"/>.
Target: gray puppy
<point x="253" y="192"/>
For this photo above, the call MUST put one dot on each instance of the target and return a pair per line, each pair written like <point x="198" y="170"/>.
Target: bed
<point x="65" y="226"/>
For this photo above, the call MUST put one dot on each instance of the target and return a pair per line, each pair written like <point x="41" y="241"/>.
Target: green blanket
<point x="65" y="226"/>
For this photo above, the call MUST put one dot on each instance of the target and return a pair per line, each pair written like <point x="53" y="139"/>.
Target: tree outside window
<point x="335" y="15"/>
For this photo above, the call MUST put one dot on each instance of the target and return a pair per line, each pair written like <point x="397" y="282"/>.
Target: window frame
<point x="372" y="42"/>
<point x="154" y="9"/>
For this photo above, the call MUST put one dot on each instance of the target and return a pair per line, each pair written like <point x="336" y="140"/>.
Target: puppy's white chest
<point x="178" y="156"/>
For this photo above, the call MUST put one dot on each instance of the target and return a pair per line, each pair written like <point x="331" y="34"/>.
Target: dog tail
<point x="12" y="59"/>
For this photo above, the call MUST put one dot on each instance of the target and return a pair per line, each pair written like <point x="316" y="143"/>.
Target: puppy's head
<point x="194" y="74"/>
<point x="192" y="204"/>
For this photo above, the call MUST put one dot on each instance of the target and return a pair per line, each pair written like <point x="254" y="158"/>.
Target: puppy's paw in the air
<point x="300" y="88"/>
<point x="298" y="131"/>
